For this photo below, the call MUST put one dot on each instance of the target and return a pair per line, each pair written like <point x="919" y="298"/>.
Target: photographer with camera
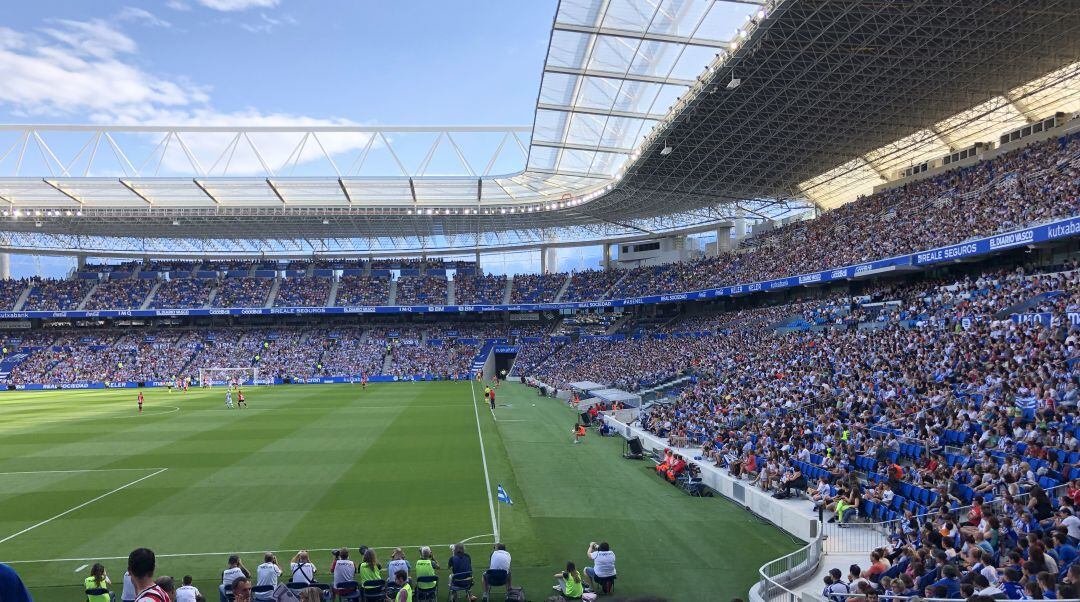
<point x="235" y="570"/>
<point x="603" y="567"/>
<point x="302" y="569"/>
<point x="268" y="572"/>
<point x="343" y="569"/>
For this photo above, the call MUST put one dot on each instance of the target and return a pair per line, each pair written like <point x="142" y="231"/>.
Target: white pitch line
<point x="82" y="505"/>
<point x="231" y="552"/>
<point x="81" y="567"/>
<point x="483" y="456"/>
<point x="75" y="471"/>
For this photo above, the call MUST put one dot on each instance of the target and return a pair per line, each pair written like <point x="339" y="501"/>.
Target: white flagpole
<point x="498" y="522"/>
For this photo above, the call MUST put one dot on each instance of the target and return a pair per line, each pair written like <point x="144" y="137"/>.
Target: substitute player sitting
<point x="579" y="432"/>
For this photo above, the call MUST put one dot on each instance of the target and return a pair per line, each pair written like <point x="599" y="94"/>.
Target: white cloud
<point x="238" y="5"/>
<point x="82" y="69"/>
<point x="179" y="5"/>
<point x="138" y="15"/>
<point x="267" y="24"/>
<point x="96" y="37"/>
<point x="75" y="68"/>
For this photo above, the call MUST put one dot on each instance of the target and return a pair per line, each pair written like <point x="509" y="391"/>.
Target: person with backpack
<point x="302" y="569"/>
<point x="141" y="565"/>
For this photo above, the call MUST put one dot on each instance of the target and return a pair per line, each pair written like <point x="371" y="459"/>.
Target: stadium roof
<point x="651" y="117"/>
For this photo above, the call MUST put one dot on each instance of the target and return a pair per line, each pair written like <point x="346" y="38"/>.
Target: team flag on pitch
<point x="504" y="497"/>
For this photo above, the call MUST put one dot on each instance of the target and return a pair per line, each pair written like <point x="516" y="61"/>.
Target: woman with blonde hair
<point x="311" y="594"/>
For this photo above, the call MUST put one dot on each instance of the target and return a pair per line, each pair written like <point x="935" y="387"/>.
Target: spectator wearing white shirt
<point x="267" y="574"/>
<point x="603" y="562"/>
<point x="344" y="569"/>
<point x="397" y="563"/>
<point x="500" y="561"/>
<point x="302" y="569"/>
<point x="187" y="592"/>
<point x="235" y="570"/>
<point x="128" y="593"/>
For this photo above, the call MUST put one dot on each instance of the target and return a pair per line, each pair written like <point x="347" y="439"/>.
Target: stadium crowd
<point x="362" y="290"/>
<point x="305" y="291"/>
<point x="129" y="293"/>
<point x="536" y="288"/>
<point x="421" y="290"/>
<point x="243" y="292"/>
<point x="183" y="293"/>
<point x="479" y="290"/>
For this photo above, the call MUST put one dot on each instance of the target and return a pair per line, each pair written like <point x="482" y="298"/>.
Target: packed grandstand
<point x="891" y="376"/>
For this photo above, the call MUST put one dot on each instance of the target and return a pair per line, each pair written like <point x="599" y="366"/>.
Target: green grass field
<point x="85" y="479"/>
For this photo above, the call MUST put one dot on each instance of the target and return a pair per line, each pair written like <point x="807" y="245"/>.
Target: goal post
<point x="208" y="377"/>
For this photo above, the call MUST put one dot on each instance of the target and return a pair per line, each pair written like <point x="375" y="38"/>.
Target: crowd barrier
<point x="1051" y="231"/>
<point x="801" y="523"/>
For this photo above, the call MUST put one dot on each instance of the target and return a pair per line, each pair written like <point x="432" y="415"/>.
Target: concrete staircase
<point x="150" y="297"/>
<point x="451" y="293"/>
<point x="393" y="293"/>
<point x="508" y="293"/>
<point x="562" y="289"/>
<point x="273" y="293"/>
<point x="615" y="286"/>
<point x="387" y="364"/>
<point x="332" y="298"/>
<point x="21" y="301"/>
<point x="82" y="304"/>
<point x="213" y="295"/>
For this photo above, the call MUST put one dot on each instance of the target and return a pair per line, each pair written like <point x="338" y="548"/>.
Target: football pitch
<point x="84" y="479"/>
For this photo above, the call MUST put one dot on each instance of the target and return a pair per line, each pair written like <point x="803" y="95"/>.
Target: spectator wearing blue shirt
<point x="11" y="586"/>
<point x="1066" y="552"/>
<point x="1011" y="585"/>
<point x="950" y="580"/>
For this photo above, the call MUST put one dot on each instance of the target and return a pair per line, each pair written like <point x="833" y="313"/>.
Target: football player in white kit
<point x="228" y="398"/>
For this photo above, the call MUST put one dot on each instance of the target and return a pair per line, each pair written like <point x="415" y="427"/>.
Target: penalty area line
<point x="82" y="505"/>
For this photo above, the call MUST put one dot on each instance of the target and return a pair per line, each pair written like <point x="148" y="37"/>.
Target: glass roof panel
<point x="549" y="125"/>
<point x="558" y="88"/>
<point x="578" y="12"/>
<point x="632" y="15"/>
<point x="568" y="49"/>
<point x="680" y="18"/>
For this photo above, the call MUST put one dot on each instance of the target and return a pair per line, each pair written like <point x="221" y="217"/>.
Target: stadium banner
<point x="1043" y="233"/>
<point x="506" y="349"/>
<point x="1074" y="318"/>
<point x="1044" y="318"/>
<point x="318" y="380"/>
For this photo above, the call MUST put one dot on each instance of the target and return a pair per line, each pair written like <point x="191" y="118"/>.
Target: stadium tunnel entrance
<point x="504" y="359"/>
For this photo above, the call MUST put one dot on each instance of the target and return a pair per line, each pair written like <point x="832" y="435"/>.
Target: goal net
<point x="209" y="377"/>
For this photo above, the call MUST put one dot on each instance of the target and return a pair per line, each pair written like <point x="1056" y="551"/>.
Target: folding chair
<point x="427" y="588"/>
<point x="98" y="591"/>
<point x="262" y="593"/>
<point x="347" y="590"/>
<point x="460" y="582"/>
<point x="494" y="578"/>
<point x="605" y="585"/>
<point x="374" y="590"/>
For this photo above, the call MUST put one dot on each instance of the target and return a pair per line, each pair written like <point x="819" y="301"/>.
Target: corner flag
<point x="504" y="497"/>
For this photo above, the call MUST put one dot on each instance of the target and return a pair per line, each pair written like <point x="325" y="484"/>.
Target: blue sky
<point x="270" y="62"/>
<point x="409" y="62"/>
